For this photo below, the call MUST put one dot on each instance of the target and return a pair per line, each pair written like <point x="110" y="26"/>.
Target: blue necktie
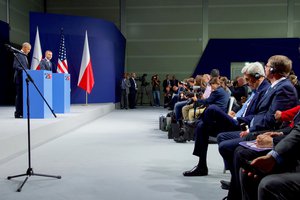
<point x="242" y="111"/>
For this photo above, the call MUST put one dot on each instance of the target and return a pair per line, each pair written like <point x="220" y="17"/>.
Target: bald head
<point x="26" y="47"/>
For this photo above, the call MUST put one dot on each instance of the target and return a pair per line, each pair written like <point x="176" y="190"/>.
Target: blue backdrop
<point x="107" y="51"/>
<point x="7" y="88"/>
<point x="219" y="53"/>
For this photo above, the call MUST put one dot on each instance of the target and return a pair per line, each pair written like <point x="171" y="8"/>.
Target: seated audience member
<point x="177" y="90"/>
<point x="213" y="73"/>
<point x="183" y="99"/>
<point x="279" y="176"/>
<point x="224" y="84"/>
<point x="166" y="83"/>
<point x="294" y="80"/>
<point x="167" y="91"/>
<point x="217" y="97"/>
<point x="215" y="120"/>
<point x="167" y="97"/>
<point x="281" y="95"/>
<point x="198" y="90"/>
<point x="266" y="140"/>
<point x="174" y="82"/>
<point x="240" y="90"/>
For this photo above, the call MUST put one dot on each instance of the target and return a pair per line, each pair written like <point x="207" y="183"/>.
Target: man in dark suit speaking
<point x="45" y="63"/>
<point x="19" y="61"/>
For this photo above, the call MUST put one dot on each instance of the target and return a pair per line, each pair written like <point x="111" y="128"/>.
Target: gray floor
<point x="121" y="155"/>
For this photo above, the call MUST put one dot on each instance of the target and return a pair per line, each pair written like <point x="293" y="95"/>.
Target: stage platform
<point x="13" y="133"/>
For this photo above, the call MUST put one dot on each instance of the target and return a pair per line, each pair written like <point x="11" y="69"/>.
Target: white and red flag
<point x="86" y="76"/>
<point x="62" y="65"/>
<point x="37" y="52"/>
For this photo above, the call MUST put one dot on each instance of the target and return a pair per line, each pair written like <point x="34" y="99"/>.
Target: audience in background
<point x="294" y="80"/>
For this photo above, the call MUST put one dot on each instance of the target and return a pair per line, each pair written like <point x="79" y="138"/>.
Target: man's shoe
<point x="196" y="171"/>
<point x="225" y="185"/>
<point x="18" y="116"/>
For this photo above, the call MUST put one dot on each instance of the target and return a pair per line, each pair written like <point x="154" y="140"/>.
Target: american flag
<point x="62" y="65"/>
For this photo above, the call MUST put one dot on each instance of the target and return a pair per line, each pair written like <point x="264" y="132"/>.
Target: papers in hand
<point x="252" y="145"/>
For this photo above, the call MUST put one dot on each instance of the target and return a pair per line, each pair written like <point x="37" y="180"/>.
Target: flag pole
<point x="86" y="98"/>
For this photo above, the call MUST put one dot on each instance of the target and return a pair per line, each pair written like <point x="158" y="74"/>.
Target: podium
<point x="61" y="92"/>
<point x="38" y="108"/>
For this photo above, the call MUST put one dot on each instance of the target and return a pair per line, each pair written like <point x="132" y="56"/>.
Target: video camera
<point x="142" y="79"/>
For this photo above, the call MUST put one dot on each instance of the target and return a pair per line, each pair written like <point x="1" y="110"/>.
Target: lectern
<point x="61" y="92"/>
<point x="38" y="108"/>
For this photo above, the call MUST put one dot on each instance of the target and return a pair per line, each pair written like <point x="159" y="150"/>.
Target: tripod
<point x="144" y="89"/>
<point x="29" y="171"/>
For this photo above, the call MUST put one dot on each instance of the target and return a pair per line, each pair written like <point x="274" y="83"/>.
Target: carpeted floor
<point x="120" y="156"/>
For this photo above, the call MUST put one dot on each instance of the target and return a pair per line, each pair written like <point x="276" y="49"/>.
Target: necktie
<point x="242" y="111"/>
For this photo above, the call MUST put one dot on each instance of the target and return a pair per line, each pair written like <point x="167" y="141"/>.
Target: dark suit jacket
<point x="251" y="111"/>
<point x="132" y="88"/>
<point x="44" y="65"/>
<point x="219" y="97"/>
<point x="18" y="68"/>
<point x="282" y="97"/>
<point x="289" y="147"/>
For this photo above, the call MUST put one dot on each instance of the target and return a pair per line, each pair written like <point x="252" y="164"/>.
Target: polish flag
<point x="37" y="52"/>
<point x="86" y="76"/>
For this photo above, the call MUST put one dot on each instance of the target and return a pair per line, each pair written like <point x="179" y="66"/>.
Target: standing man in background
<point x="19" y="61"/>
<point x="45" y="63"/>
<point x="132" y="91"/>
<point x="125" y="85"/>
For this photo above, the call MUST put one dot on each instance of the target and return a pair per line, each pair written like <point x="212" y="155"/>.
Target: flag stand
<point x="86" y="98"/>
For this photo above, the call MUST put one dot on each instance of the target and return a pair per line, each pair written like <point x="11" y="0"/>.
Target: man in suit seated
<point x="215" y="120"/>
<point x="266" y="141"/>
<point x="45" y="63"/>
<point x="283" y="165"/>
<point x="281" y="95"/>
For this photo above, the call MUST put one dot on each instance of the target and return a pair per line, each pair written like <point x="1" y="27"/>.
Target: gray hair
<point x="254" y="68"/>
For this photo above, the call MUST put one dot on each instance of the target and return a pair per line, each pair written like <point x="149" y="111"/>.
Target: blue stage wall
<point x="219" y="53"/>
<point x="107" y="50"/>
<point x="7" y="88"/>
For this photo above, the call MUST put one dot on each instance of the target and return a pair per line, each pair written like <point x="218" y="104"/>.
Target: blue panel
<point x="219" y="53"/>
<point x="61" y="93"/>
<point x="6" y="75"/>
<point x="107" y="50"/>
<point x="43" y="81"/>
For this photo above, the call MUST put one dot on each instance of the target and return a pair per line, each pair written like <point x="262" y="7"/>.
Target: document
<point x="252" y="145"/>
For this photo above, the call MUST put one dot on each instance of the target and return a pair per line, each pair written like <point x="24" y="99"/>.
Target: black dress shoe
<point x="18" y="116"/>
<point x="225" y="185"/>
<point x="196" y="171"/>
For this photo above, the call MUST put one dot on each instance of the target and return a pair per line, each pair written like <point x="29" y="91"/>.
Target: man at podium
<point x="19" y="60"/>
<point x="45" y="63"/>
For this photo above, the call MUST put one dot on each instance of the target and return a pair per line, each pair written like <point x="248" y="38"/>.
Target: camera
<point x="143" y="81"/>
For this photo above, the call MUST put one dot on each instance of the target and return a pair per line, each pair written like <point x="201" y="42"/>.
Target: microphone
<point x="13" y="49"/>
